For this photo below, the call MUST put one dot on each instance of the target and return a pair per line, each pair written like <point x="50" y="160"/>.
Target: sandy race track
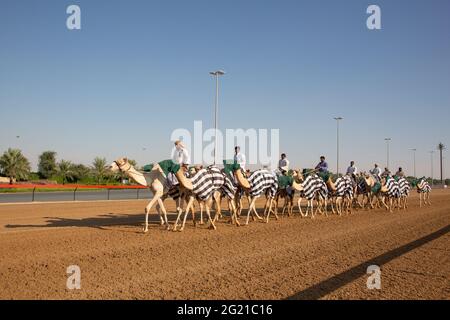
<point x="293" y="258"/>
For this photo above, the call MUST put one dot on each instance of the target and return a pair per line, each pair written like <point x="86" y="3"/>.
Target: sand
<point x="292" y="258"/>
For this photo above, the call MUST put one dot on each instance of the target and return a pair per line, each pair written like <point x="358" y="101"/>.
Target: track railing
<point x="74" y="187"/>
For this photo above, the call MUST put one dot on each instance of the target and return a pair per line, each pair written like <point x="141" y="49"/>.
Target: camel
<point x="212" y="196"/>
<point x="287" y="186"/>
<point x="265" y="185"/>
<point x="156" y="180"/>
<point x="288" y="204"/>
<point x="374" y="191"/>
<point x="342" y="193"/>
<point x="246" y="187"/>
<point x="424" y="189"/>
<point x="311" y="190"/>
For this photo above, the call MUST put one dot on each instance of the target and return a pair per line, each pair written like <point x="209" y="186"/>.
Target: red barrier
<point x="67" y="186"/>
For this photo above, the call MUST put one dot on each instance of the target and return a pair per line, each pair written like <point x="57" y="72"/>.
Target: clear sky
<point x="137" y="70"/>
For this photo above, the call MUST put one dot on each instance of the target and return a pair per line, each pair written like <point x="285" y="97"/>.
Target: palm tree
<point x="65" y="170"/>
<point x="14" y="165"/>
<point x="441" y="148"/>
<point x="99" y="169"/>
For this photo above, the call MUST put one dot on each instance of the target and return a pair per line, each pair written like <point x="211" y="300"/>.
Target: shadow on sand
<point x="100" y="221"/>
<point x="330" y="285"/>
<point x="111" y="219"/>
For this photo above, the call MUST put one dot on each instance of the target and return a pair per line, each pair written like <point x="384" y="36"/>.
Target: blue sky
<point x="137" y="70"/>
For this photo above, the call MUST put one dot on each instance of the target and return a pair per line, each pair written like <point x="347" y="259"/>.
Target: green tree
<point x="65" y="171"/>
<point x="47" y="164"/>
<point x="99" y="170"/>
<point x="14" y="165"/>
<point x="80" y="172"/>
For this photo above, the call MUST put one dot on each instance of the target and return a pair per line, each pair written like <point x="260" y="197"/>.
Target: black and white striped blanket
<point x="344" y="187"/>
<point x="261" y="181"/>
<point x="404" y="187"/>
<point x="314" y="186"/>
<point x="207" y="180"/>
<point x="393" y="188"/>
<point x="423" y="186"/>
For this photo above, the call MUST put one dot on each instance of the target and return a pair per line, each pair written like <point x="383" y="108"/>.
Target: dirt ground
<point x="293" y="258"/>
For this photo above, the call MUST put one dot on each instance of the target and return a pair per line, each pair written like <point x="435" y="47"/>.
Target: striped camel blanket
<point x="207" y="180"/>
<point x="262" y="180"/>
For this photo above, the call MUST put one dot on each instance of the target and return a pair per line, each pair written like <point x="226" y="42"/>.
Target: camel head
<point x="369" y="180"/>
<point x="120" y="164"/>
<point x="193" y="170"/>
<point x="298" y="176"/>
<point x="297" y="180"/>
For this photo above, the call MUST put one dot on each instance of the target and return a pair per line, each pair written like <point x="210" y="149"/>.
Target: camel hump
<point x="243" y="182"/>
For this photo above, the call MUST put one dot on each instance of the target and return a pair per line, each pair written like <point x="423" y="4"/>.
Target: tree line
<point x="15" y="166"/>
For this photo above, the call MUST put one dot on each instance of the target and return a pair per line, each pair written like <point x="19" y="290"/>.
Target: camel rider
<point x="322" y="166"/>
<point x="352" y="171"/>
<point x="400" y="173"/>
<point x="283" y="164"/>
<point x="386" y="173"/>
<point x="376" y="172"/>
<point x="239" y="157"/>
<point x="180" y="156"/>
<point x="322" y="169"/>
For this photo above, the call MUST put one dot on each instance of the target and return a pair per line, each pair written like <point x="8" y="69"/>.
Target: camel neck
<point x="136" y="176"/>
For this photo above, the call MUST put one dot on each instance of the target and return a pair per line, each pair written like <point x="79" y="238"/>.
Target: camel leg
<point x="239" y="206"/>
<point x="190" y="203"/>
<point x="193" y="214"/>
<point x="339" y="205"/>
<point x="188" y="208"/>
<point x="250" y="208"/>
<point x="270" y="200"/>
<point x="254" y="209"/>
<point x="201" y="212"/>
<point x="299" y="203"/>
<point x="208" y="204"/>
<point x="292" y="203"/>
<point x="166" y="221"/>
<point x="383" y="202"/>
<point x="266" y="208"/>
<point x="217" y="203"/>
<point x="158" y="210"/>
<point x="275" y="209"/>
<point x="332" y="200"/>
<point x="351" y="208"/>
<point x="234" y="217"/>
<point x="157" y="193"/>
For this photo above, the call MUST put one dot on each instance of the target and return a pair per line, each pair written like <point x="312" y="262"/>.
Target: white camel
<point x="156" y="180"/>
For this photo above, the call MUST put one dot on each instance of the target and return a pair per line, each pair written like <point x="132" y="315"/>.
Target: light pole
<point x="216" y="73"/>
<point x="387" y="151"/>
<point x="432" y="173"/>
<point x="414" y="156"/>
<point x="337" y="143"/>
